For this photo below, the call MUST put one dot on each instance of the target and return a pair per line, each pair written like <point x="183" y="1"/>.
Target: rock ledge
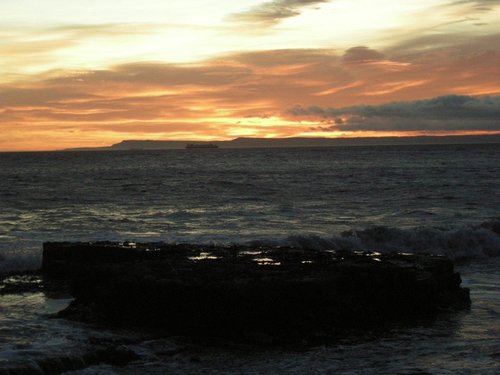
<point x="260" y="294"/>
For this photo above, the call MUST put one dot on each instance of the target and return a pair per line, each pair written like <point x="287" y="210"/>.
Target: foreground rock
<point x="259" y="294"/>
<point x="99" y="353"/>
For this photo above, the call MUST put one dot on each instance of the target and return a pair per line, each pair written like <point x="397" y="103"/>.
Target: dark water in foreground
<point x="439" y="199"/>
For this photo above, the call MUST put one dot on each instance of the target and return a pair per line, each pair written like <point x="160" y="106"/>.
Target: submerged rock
<point x="254" y="294"/>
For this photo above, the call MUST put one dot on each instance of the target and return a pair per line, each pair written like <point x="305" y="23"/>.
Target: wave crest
<point x="470" y="241"/>
<point x="461" y="242"/>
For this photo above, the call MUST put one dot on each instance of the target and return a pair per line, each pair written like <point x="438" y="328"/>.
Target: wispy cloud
<point x="273" y="12"/>
<point x="33" y="49"/>
<point x="481" y="5"/>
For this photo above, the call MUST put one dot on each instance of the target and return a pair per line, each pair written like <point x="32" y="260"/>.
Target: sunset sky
<point x="94" y="72"/>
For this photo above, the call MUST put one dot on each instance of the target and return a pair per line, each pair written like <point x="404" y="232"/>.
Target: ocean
<point x="439" y="199"/>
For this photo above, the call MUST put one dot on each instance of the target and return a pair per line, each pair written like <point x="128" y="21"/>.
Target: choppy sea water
<point x="440" y="199"/>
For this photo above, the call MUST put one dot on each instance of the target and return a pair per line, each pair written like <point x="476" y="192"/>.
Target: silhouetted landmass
<point x="300" y="142"/>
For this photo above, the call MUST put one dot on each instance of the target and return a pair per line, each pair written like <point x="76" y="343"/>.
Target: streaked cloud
<point x="272" y="12"/>
<point x="484" y="5"/>
<point x="28" y="50"/>
<point x="333" y="92"/>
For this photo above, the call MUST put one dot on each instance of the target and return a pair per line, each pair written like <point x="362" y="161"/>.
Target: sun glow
<point x="100" y="72"/>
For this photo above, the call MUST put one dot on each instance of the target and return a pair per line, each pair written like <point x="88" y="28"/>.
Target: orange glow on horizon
<point x="53" y="141"/>
<point x="110" y="73"/>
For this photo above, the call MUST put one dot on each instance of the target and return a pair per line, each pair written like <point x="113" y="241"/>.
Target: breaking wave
<point x="468" y="241"/>
<point x="459" y="242"/>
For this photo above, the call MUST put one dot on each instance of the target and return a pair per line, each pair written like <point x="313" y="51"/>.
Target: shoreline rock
<point x="255" y="294"/>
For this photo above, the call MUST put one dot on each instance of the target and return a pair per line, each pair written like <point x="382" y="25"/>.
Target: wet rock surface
<point x="261" y="295"/>
<point x="98" y="352"/>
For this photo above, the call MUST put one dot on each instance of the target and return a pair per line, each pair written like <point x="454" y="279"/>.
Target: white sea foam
<point x="466" y="241"/>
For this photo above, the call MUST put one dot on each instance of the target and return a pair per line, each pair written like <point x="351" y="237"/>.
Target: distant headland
<point x="296" y="142"/>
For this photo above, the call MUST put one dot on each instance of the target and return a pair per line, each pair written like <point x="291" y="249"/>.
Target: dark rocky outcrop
<point x="259" y="294"/>
<point x="111" y="354"/>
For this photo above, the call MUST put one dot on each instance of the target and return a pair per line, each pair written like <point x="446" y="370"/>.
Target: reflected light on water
<point x="203" y="256"/>
<point x="250" y="252"/>
<point x="267" y="262"/>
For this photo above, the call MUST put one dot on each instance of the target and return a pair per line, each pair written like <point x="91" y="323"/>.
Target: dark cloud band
<point x="444" y="113"/>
